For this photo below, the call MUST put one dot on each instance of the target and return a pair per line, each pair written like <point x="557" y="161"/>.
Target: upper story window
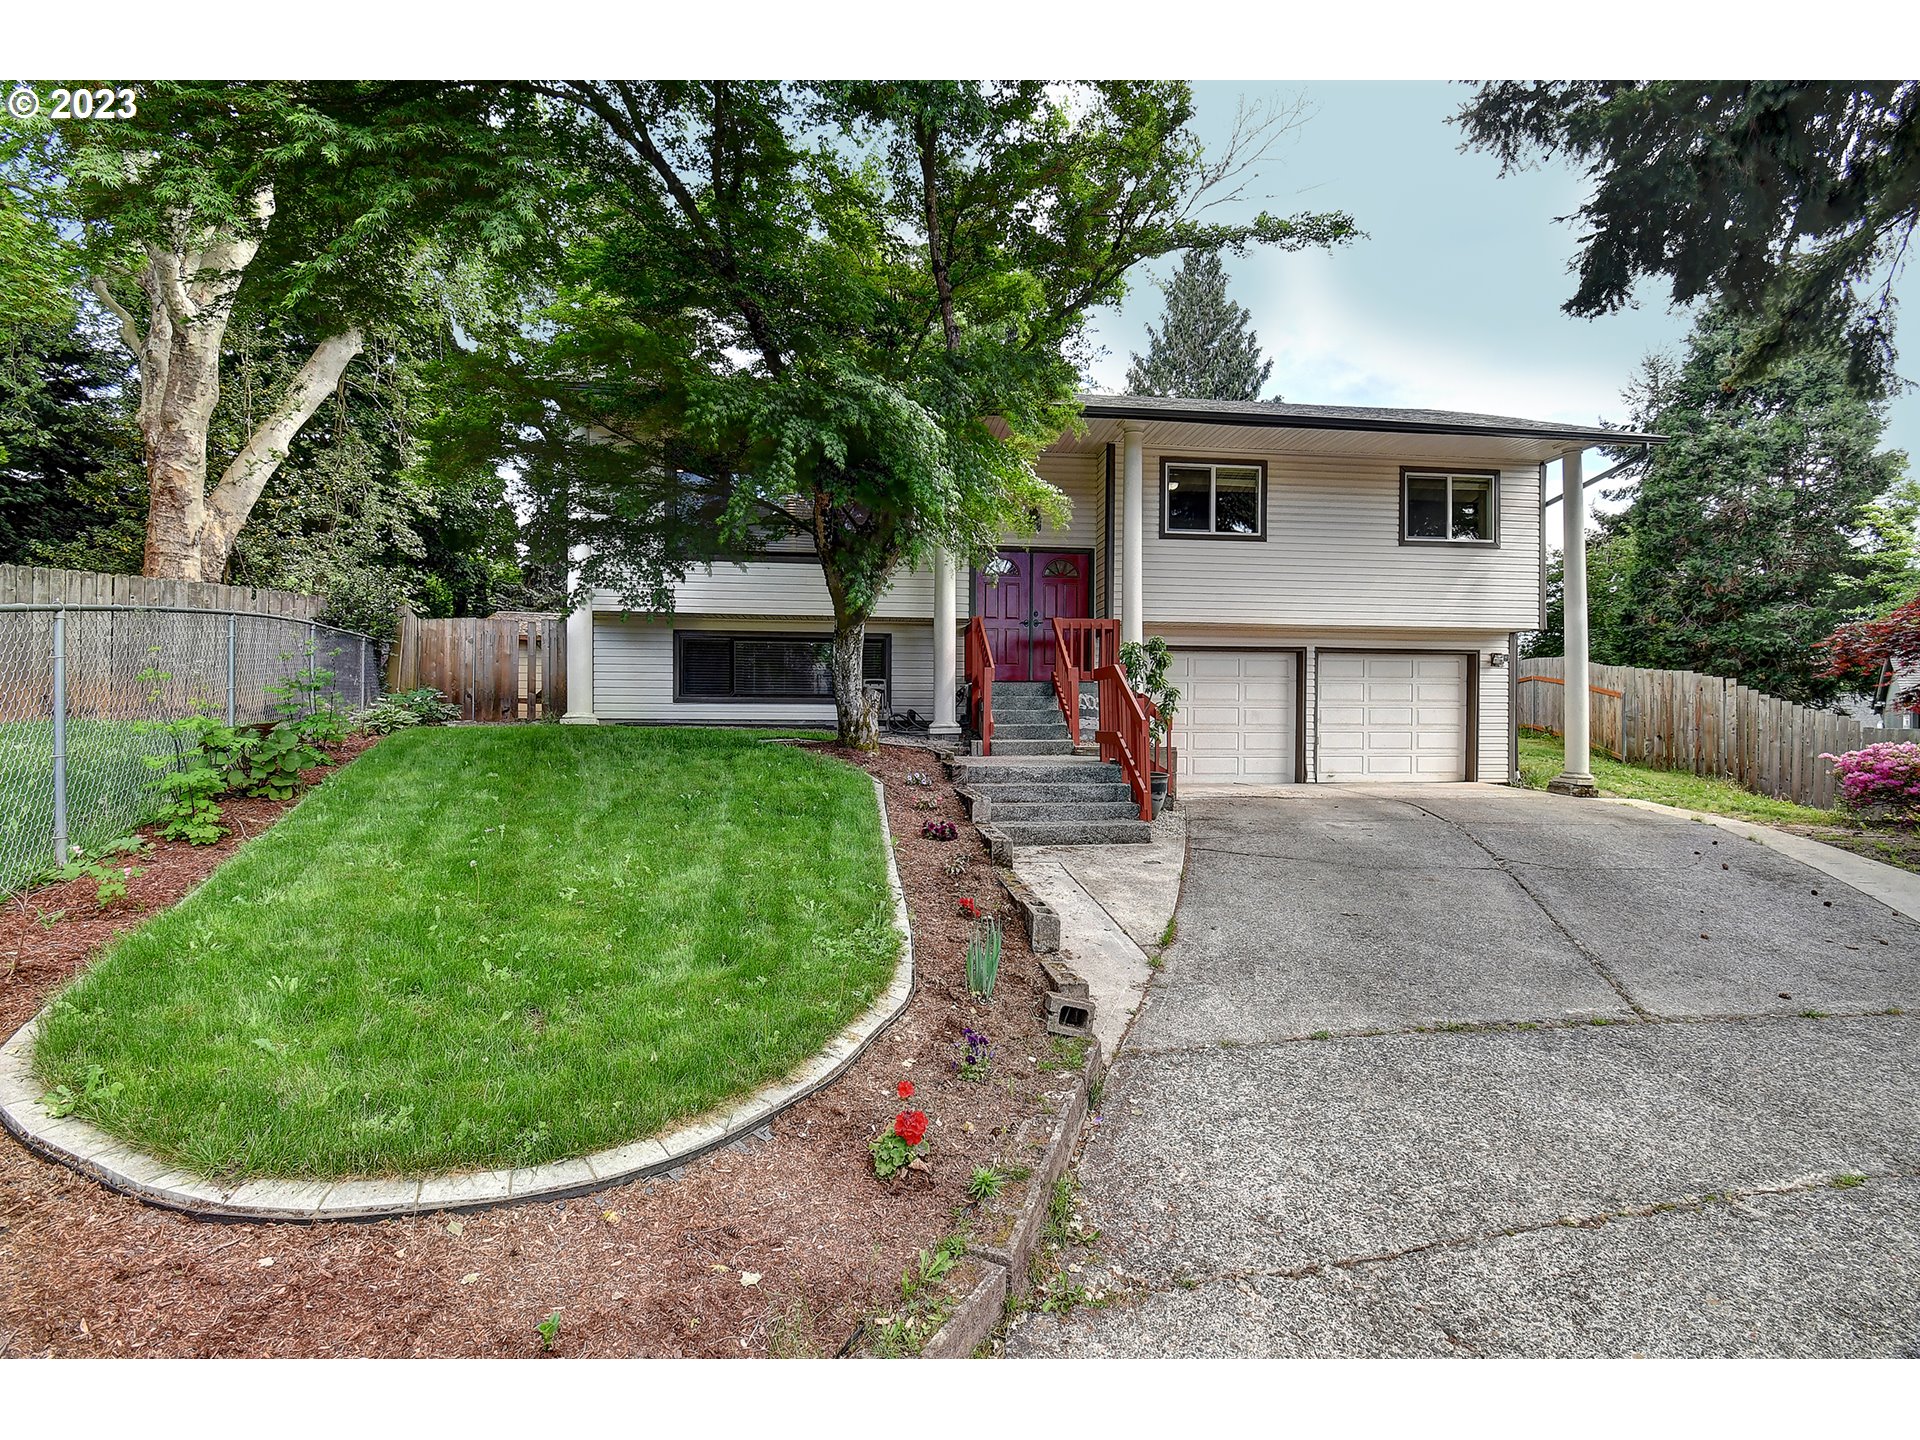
<point x="1449" y="507"/>
<point x="1203" y="499"/>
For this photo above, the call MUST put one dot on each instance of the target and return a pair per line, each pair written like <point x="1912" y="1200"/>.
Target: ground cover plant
<point x="490" y="946"/>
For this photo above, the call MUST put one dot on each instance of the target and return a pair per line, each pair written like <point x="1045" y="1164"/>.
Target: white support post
<point x="1576" y="776"/>
<point x="946" y="722"/>
<point x="1133" y="506"/>
<point x="579" y="658"/>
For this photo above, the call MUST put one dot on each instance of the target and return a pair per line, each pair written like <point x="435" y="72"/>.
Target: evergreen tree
<point x="1768" y="518"/>
<point x="1205" y="348"/>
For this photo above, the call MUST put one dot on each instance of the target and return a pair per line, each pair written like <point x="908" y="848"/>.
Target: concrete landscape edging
<point x="979" y="1312"/>
<point x="92" y="1152"/>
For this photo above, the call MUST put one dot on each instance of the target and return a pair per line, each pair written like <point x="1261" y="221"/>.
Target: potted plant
<point x="1146" y="666"/>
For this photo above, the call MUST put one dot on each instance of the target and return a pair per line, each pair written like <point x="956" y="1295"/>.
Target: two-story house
<point x="1343" y="589"/>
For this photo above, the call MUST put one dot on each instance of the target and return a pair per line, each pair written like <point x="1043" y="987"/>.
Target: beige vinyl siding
<point x="633" y="671"/>
<point x="783" y="588"/>
<point x="1332" y="555"/>
<point x="1493" y="681"/>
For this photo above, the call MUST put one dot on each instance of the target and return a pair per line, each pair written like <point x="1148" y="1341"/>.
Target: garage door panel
<point x="1236" y="720"/>
<point x="1392" y="717"/>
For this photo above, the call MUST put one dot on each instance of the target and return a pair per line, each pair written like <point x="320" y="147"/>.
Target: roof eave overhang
<point x="1120" y="410"/>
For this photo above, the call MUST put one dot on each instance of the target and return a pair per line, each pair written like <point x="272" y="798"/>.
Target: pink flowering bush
<point x="1881" y="780"/>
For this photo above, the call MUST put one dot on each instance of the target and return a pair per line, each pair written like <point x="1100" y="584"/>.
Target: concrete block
<point x="1062" y="980"/>
<point x="1042" y="922"/>
<point x="1069" y="1015"/>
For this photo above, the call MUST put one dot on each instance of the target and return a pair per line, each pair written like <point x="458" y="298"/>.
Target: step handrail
<point x="1080" y="647"/>
<point x="1124" y="735"/>
<point x="980" y="683"/>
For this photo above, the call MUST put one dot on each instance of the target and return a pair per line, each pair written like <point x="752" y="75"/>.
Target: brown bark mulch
<point x="777" y="1246"/>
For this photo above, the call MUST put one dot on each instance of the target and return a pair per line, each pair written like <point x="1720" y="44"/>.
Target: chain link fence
<point x="82" y="685"/>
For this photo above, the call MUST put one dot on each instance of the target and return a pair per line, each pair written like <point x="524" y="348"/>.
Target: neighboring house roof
<point x="1347" y="417"/>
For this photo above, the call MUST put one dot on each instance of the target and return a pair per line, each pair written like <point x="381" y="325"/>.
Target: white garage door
<point x="1392" y="717"/>
<point x="1235" y="724"/>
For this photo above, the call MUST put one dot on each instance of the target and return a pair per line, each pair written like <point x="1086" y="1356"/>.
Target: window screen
<point x="1446" y="507"/>
<point x="1212" y="499"/>
<point x="768" y="667"/>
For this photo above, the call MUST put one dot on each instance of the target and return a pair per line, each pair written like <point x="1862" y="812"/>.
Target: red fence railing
<point x="1124" y="734"/>
<point x="1080" y="647"/>
<point x="980" y="684"/>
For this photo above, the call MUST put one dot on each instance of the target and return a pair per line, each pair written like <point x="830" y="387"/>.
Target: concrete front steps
<point x="1021" y="800"/>
<point x="1027" y="720"/>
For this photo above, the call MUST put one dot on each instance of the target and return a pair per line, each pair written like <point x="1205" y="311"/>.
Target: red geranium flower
<point x="911" y="1126"/>
<point x="906" y="1089"/>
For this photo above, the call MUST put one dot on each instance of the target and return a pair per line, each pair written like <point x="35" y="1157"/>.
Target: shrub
<point x="1881" y="780"/>
<point x="383" y="717"/>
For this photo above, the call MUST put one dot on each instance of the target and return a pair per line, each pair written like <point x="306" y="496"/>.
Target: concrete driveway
<point x="1471" y="1071"/>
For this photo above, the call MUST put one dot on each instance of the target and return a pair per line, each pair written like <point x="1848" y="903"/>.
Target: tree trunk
<point x="859" y="722"/>
<point x="190" y="285"/>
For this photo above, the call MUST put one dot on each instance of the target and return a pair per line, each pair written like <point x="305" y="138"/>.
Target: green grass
<point x="487" y="947"/>
<point x="107" y="794"/>
<point x="1541" y="758"/>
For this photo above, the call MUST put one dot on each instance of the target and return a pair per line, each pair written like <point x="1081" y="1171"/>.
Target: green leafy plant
<point x="383" y="717"/>
<point x="983" y="958"/>
<point x="549" y="1330"/>
<point x="1146" y="665"/>
<point x="427" y="703"/>
<point x="271" y="766"/>
<point x="985" y="1184"/>
<point x="109" y="880"/>
<point x="63" y="1100"/>
<point x="196" y="768"/>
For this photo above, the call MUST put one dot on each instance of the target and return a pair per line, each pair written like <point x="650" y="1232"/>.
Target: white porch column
<point x="1576" y="778"/>
<point x="946" y="724"/>
<point x="1132" y="505"/>
<point x="579" y="659"/>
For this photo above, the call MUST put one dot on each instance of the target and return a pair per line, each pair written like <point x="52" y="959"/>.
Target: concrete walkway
<point x="1453" y="1070"/>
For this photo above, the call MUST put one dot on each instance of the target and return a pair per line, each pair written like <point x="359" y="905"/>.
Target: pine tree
<point x="1754" y="530"/>
<point x="1204" y="348"/>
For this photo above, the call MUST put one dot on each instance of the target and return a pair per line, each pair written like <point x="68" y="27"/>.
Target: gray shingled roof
<point x="1346" y="417"/>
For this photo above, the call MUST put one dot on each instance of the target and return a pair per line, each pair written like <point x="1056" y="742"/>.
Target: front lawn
<point x="1542" y="756"/>
<point x="494" y="946"/>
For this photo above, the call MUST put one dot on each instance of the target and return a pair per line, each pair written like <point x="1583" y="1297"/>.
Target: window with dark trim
<point x="1450" y="507"/>
<point x="1213" y="499"/>
<point x="713" y="666"/>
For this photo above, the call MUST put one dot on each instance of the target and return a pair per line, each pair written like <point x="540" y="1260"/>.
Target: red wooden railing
<point x="1080" y="647"/>
<point x="1124" y="735"/>
<point x="980" y="684"/>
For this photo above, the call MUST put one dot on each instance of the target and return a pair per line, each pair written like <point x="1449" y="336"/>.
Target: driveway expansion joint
<point x="1693" y="1204"/>
<point x="1507" y="1027"/>
<point x="1600" y="967"/>
<point x="92" y="1152"/>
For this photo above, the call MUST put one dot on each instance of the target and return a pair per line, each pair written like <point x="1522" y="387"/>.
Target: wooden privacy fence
<point x="1677" y="720"/>
<point x="37" y="585"/>
<point x="506" y="667"/>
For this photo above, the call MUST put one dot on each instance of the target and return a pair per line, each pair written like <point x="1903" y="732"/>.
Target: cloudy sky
<point x="1453" y="299"/>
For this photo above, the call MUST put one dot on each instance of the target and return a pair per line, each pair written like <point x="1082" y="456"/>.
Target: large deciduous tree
<point x="847" y="313"/>
<point x="1769" y="516"/>
<point x="1205" y="347"/>
<point x="309" y="207"/>
<point x="1791" y="201"/>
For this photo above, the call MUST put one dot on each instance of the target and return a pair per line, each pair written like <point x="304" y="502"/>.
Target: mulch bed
<point x="780" y="1245"/>
<point x="1889" y="844"/>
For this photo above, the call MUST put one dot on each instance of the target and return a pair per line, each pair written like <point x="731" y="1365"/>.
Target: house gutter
<point x="1645" y="449"/>
<point x="1122" y="411"/>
